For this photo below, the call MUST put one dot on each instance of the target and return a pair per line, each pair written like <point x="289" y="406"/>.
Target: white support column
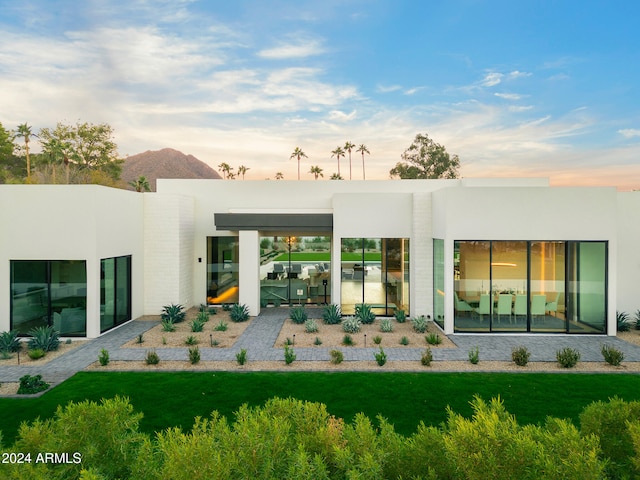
<point x="336" y="270"/>
<point x="448" y="286"/>
<point x="249" y="274"/>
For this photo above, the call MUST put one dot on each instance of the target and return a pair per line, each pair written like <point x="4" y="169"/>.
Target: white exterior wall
<point x="628" y="258"/>
<point x="421" y="256"/>
<point x="71" y="222"/>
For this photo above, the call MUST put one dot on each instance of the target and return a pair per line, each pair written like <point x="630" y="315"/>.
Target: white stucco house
<point x="477" y="255"/>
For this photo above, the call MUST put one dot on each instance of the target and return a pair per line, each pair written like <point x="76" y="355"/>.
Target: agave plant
<point x="386" y="325"/>
<point x="9" y="341"/>
<point x="44" y="338"/>
<point x="174" y="313"/>
<point x="298" y="314"/>
<point x="364" y="313"/>
<point x="239" y="313"/>
<point x="419" y="324"/>
<point x="351" y="325"/>
<point x="332" y="314"/>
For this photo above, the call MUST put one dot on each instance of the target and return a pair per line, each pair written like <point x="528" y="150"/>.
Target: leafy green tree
<point x="141" y="184"/>
<point x="11" y="166"/>
<point x="316" y="171"/>
<point x="55" y="152"/>
<point x="363" y="149"/>
<point x="297" y="153"/>
<point x="88" y="150"/>
<point x="338" y="152"/>
<point x="24" y="131"/>
<point x="426" y="159"/>
<point x="348" y="146"/>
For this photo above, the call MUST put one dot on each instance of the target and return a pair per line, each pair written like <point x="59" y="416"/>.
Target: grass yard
<point x="405" y="399"/>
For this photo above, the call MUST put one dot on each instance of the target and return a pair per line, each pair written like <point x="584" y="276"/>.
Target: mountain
<point x="165" y="163"/>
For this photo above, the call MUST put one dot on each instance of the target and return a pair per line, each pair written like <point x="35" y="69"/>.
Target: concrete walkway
<point x="260" y="335"/>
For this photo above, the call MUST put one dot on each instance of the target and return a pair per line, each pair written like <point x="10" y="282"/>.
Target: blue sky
<point x="515" y="88"/>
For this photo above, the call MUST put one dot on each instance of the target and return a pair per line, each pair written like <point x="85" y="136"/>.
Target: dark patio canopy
<point x="275" y="222"/>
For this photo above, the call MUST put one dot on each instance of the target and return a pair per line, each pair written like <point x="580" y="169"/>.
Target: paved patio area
<point x="261" y="334"/>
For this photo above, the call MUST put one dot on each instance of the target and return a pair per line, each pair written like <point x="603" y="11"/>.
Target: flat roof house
<point x="477" y="255"/>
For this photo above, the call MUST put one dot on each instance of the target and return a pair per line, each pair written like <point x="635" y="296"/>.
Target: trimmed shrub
<point x="44" y="338"/>
<point x="331" y="314"/>
<point x="289" y="355"/>
<point x="311" y="326"/>
<point x="239" y="313"/>
<point x="241" y="356"/>
<point x="298" y="314"/>
<point x="427" y="357"/>
<point x="377" y="339"/>
<point x="167" y="326"/>
<point x="347" y="341"/>
<point x="174" y="313"/>
<point x="419" y="324"/>
<point x="103" y="357"/>
<point x="474" y="355"/>
<point x="30" y="384"/>
<point x="364" y="314"/>
<point x="612" y="355"/>
<point x="351" y="325"/>
<point x="401" y="315"/>
<point x="221" y="327"/>
<point x="433" y="339"/>
<point x="567" y="357"/>
<point x="9" y="341"/>
<point x="520" y="356"/>
<point x="381" y="357"/>
<point x="336" y="356"/>
<point x="404" y="341"/>
<point x="386" y="325"/>
<point x="194" y="355"/>
<point x="152" y="358"/>
<point x="36" y="353"/>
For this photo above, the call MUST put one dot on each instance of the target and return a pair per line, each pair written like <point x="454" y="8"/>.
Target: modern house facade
<point x="477" y="255"/>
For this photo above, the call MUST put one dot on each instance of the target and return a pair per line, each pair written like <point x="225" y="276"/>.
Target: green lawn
<point x="174" y="399"/>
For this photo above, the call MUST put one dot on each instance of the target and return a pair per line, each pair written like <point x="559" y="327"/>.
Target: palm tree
<point x="242" y="170"/>
<point x="338" y="152"/>
<point x="335" y="176"/>
<point x="362" y="149"/>
<point x="348" y="146"/>
<point x="141" y="184"/>
<point x="316" y="171"/>
<point x="24" y="131"/>
<point x="225" y="169"/>
<point x="297" y="153"/>
<point x="279" y="176"/>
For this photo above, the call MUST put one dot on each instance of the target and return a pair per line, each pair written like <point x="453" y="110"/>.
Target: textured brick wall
<point x="422" y="256"/>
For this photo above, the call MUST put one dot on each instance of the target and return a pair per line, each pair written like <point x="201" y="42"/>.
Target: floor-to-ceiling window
<point x="49" y="292"/>
<point x="295" y="269"/>
<point x="115" y="292"/>
<point x="438" y="281"/>
<point x="375" y="271"/>
<point x="222" y="270"/>
<point x="530" y="286"/>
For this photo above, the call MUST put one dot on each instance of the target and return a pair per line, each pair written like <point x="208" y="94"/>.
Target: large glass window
<point x="295" y="269"/>
<point x="222" y="270"/>
<point x="49" y="292"/>
<point x="115" y="292"/>
<point x="438" y="281"/>
<point x="537" y="286"/>
<point x="375" y="271"/>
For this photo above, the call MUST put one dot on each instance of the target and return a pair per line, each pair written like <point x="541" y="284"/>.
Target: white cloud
<point x="388" y="88"/>
<point x="517" y="74"/>
<point x="294" y="49"/>
<point x="342" y="116"/>
<point x="492" y="79"/>
<point x="509" y="96"/>
<point x="629" y="132"/>
<point x="413" y="90"/>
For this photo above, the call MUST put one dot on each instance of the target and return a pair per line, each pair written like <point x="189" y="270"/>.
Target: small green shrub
<point x="351" y="325"/>
<point x="289" y="355"/>
<point x="239" y="313"/>
<point x="433" y="339"/>
<point x="381" y="357"/>
<point x="337" y="356"/>
<point x="419" y="324"/>
<point x="191" y="340"/>
<point x="427" y="357"/>
<point x="365" y="314"/>
<point x="152" y="358"/>
<point x="401" y="315"/>
<point x="140" y="338"/>
<point x="9" y="341"/>
<point x="197" y="325"/>
<point x="317" y="341"/>
<point x="36" y="353"/>
<point x="622" y="321"/>
<point x="520" y="356"/>
<point x="567" y="357"/>
<point x="167" y="326"/>
<point x="311" y="326"/>
<point x="331" y="314"/>
<point x="347" y="341"/>
<point x="103" y="357"/>
<point x="164" y="340"/>
<point x="214" y="342"/>
<point x="206" y="308"/>
<point x="386" y="325"/>
<point x="194" y="355"/>
<point x="636" y="317"/>
<point x="45" y="338"/>
<point x="474" y="355"/>
<point x="404" y="341"/>
<point x="377" y="339"/>
<point x="226" y="307"/>
<point x="221" y="327"/>
<point x="174" y="313"/>
<point x="612" y="355"/>
<point x="298" y="314"/>
<point x="30" y="384"/>
<point x="288" y="341"/>
<point x="203" y="316"/>
<point x="241" y="357"/>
